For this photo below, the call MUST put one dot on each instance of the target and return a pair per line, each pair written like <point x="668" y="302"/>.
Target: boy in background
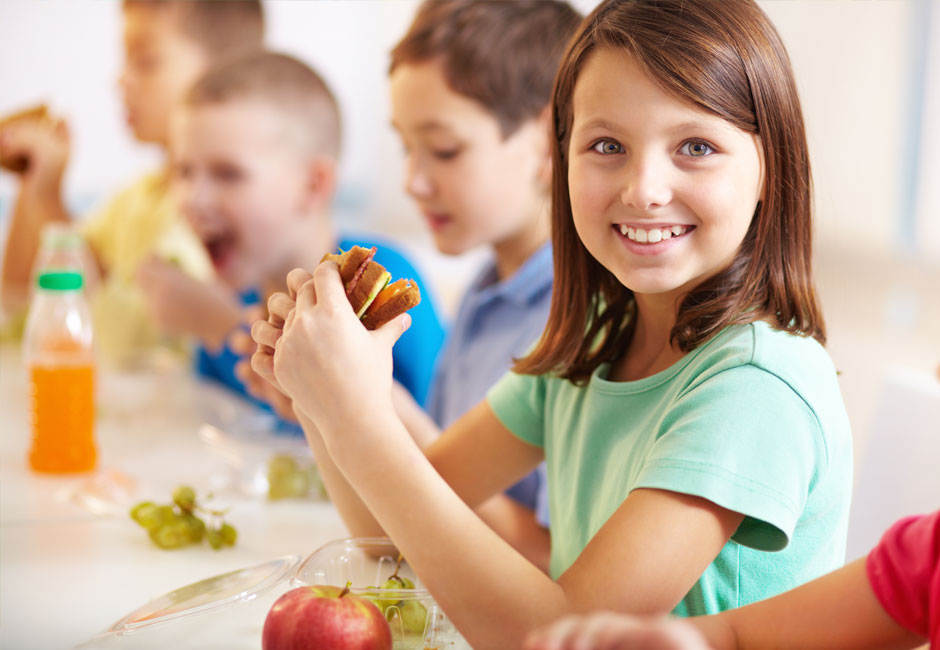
<point x="255" y="146"/>
<point x="470" y="87"/>
<point x="168" y="45"/>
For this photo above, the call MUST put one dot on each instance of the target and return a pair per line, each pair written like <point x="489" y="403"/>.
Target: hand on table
<point x="609" y="631"/>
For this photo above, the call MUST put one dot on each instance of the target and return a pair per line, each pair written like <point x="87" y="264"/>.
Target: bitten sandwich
<point x="373" y="297"/>
<point x="19" y="164"/>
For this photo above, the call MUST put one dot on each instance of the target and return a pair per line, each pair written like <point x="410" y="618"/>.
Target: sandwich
<point x="375" y="299"/>
<point x="19" y="164"/>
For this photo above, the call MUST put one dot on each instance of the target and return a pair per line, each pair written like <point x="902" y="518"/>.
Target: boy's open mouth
<point x="220" y="248"/>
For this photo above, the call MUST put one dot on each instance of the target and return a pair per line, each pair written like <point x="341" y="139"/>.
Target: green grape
<point x="171" y="535"/>
<point x="184" y="497"/>
<point x="145" y="513"/>
<point x="373" y="597"/>
<point x="174" y="526"/>
<point x="398" y="582"/>
<point x="195" y="525"/>
<point x="228" y="534"/>
<point x="215" y="538"/>
<point x="281" y="470"/>
<point x="414" y="615"/>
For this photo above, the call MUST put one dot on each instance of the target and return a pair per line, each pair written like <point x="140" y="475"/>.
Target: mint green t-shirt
<point x="753" y="421"/>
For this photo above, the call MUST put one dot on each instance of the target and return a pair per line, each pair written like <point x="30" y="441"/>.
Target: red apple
<point x="323" y="617"/>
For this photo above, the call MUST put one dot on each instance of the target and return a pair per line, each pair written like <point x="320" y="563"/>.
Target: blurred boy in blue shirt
<point x="255" y="147"/>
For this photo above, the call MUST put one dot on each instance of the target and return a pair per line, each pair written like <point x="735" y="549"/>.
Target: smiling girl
<point x="698" y="452"/>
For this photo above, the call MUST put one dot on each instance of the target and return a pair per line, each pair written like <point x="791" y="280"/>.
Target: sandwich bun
<point x="367" y="286"/>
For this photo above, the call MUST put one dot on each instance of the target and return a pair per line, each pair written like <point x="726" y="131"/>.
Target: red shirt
<point x="904" y="571"/>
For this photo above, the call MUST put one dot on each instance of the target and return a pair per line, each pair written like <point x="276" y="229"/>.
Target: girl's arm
<point x="340" y="376"/>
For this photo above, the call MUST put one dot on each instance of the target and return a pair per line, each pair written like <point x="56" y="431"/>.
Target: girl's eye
<point x="696" y="149"/>
<point x="607" y="147"/>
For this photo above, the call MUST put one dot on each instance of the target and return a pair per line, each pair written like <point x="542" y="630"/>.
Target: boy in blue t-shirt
<point x="255" y="146"/>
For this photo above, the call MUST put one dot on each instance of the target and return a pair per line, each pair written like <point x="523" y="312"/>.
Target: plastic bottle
<point x="62" y="248"/>
<point x="60" y="360"/>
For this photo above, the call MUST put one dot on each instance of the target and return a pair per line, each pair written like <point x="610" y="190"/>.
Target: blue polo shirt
<point x="496" y="322"/>
<point x="413" y="356"/>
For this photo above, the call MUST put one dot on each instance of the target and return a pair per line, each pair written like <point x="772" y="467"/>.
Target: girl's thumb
<point x="393" y="329"/>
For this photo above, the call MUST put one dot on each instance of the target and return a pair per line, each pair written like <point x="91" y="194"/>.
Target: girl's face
<point x="473" y="186"/>
<point x="662" y="193"/>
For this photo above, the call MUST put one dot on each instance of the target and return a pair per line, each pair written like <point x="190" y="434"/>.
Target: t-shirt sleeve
<point x="518" y="401"/>
<point x="902" y="568"/>
<point x="744" y="440"/>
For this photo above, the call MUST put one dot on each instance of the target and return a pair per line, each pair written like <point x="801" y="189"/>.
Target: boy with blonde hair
<point x="255" y="146"/>
<point x="168" y="45"/>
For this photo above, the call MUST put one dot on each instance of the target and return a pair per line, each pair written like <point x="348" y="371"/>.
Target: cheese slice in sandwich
<point x="366" y="282"/>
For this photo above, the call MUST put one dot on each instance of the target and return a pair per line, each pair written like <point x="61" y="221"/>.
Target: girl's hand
<point x="266" y="333"/>
<point x="337" y="372"/>
<point x="609" y="631"/>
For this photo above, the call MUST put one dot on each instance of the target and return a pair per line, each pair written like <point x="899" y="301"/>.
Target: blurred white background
<point x="869" y="76"/>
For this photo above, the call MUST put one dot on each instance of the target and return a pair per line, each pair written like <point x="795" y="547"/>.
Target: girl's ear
<point x="320" y="183"/>
<point x="544" y="124"/>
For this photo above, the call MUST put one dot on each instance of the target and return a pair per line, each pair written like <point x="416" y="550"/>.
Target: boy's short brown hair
<point x="502" y="54"/>
<point x="282" y="82"/>
<point x="222" y="28"/>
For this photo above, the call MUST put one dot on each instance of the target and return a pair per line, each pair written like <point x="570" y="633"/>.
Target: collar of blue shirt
<point x="524" y="287"/>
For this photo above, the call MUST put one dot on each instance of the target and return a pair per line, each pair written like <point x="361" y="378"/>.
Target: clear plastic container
<point x="60" y="361"/>
<point x="228" y="611"/>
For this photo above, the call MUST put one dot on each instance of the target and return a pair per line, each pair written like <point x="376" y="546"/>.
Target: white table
<point x="67" y="573"/>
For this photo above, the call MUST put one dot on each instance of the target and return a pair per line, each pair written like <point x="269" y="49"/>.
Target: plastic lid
<point x="60" y="280"/>
<point x="211" y="593"/>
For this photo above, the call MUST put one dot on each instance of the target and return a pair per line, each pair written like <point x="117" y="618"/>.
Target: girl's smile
<point x="662" y="192"/>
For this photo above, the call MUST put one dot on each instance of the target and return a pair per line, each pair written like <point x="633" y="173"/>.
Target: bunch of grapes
<point x="176" y="525"/>
<point x="406" y="615"/>
<point x="290" y="479"/>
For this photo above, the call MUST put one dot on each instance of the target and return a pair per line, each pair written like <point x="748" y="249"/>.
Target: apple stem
<point x="345" y="590"/>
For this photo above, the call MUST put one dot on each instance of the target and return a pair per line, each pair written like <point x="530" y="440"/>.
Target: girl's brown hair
<point x="726" y="58"/>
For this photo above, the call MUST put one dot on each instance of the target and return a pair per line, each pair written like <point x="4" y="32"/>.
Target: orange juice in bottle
<point x="60" y="362"/>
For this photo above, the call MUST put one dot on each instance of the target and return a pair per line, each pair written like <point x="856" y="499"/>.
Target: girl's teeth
<point x="652" y="235"/>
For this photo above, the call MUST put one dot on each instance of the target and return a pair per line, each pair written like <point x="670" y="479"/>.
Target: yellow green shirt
<point x="140" y="221"/>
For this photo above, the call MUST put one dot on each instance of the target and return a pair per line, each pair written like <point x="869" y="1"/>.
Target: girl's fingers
<point x="295" y="280"/>
<point x="327" y="287"/>
<point x="263" y="364"/>
<point x="279" y="306"/>
<point x="265" y="334"/>
<point x="393" y="329"/>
